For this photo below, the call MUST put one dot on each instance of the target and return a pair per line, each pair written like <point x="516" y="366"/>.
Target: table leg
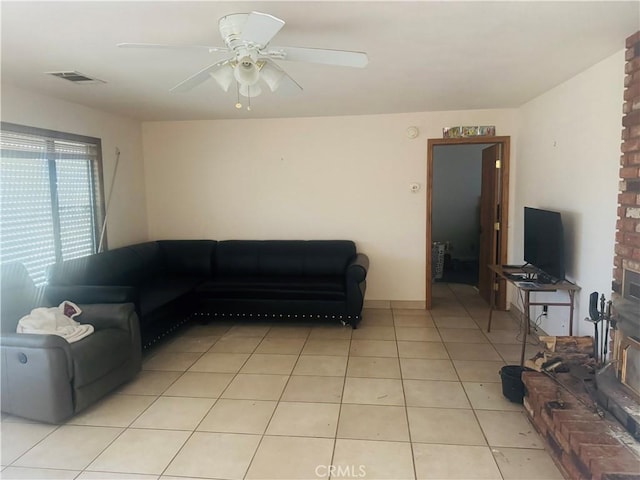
<point x="525" y="330"/>
<point x="571" y="298"/>
<point x="490" y="316"/>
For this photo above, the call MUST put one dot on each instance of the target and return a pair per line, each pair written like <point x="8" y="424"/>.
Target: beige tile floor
<point x="410" y="394"/>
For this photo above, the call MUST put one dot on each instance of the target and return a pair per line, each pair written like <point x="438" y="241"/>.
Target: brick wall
<point x="627" y="250"/>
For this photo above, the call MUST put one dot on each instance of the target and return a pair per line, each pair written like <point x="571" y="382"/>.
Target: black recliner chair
<point x="46" y="378"/>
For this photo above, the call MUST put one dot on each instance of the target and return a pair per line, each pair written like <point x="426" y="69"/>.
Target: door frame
<point x="505" y="141"/>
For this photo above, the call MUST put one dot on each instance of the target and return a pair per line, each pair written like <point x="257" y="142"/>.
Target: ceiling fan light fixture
<point x="246" y="72"/>
<point x="272" y="76"/>
<point x="223" y="77"/>
<point x="250" y="90"/>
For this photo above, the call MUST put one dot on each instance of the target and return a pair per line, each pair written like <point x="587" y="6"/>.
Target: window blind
<point x="50" y="202"/>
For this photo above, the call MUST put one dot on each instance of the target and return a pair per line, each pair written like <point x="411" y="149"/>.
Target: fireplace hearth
<point x="586" y="442"/>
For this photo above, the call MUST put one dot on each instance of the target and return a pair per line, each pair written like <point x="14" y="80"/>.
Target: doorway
<point x="455" y="227"/>
<point x="492" y="218"/>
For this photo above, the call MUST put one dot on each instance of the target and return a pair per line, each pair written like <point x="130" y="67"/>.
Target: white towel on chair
<point x="56" y="321"/>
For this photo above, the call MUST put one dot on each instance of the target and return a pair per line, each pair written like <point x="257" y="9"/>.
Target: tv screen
<point x="544" y="242"/>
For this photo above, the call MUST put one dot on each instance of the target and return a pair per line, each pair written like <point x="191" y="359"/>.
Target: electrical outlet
<point x="545" y="310"/>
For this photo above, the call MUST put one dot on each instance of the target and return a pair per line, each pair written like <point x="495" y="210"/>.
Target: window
<point x="51" y="206"/>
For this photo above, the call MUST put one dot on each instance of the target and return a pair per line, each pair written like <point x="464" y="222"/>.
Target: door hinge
<point x="498" y="164"/>
<point x="496" y="226"/>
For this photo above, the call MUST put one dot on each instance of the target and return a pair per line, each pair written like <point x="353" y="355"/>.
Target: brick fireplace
<point x="627" y="250"/>
<point x="592" y="427"/>
<point x="625" y="361"/>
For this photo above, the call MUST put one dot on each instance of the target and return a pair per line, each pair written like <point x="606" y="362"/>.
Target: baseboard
<point x="409" y="304"/>
<point x="405" y="304"/>
<point x="377" y="303"/>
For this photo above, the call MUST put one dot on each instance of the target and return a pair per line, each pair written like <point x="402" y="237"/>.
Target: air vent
<point x="76" y="77"/>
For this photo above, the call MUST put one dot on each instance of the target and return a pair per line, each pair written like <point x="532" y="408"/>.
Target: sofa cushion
<point x="283" y="257"/>
<point x="161" y="290"/>
<point x="285" y="288"/>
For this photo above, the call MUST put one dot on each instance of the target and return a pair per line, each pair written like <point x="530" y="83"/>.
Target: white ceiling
<point x="423" y="55"/>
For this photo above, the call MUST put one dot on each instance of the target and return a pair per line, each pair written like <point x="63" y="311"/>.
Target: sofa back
<point x="128" y="266"/>
<point x="283" y="257"/>
<point x="120" y="266"/>
<point x="19" y="295"/>
<point x="188" y="257"/>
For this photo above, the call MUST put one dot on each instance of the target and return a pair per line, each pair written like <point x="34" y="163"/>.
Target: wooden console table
<point x="526" y="285"/>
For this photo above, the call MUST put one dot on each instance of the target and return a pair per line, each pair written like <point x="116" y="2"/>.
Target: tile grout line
<point x="344" y="384"/>
<point x="406" y="407"/>
<point x="475" y="415"/>
<point x="125" y="429"/>
<point x="195" y="429"/>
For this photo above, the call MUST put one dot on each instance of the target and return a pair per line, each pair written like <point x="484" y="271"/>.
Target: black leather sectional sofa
<point x="170" y="281"/>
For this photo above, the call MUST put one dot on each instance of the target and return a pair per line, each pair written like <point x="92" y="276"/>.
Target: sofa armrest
<point x="14" y="343"/>
<point x="33" y="340"/>
<point x="109" y="315"/>
<point x="356" y="285"/>
<point x="78" y="294"/>
<point x="37" y="372"/>
<point x="122" y="316"/>
<point x="357" y="269"/>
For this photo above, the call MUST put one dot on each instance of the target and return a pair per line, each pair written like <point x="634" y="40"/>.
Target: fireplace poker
<point x="594" y="317"/>
<point x="606" y="332"/>
<point x="602" y="314"/>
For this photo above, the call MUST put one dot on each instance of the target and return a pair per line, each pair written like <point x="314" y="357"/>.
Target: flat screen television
<point x="544" y="243"/>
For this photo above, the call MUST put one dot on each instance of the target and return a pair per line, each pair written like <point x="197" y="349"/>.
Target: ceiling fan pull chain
<point x="238" y="104"/>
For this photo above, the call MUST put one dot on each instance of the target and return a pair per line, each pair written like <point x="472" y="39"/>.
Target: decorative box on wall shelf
<point x="473" y="131"/>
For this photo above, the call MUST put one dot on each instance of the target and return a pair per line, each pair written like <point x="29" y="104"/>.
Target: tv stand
<point x="527" y="279"/>
<point x="544" y="279"/>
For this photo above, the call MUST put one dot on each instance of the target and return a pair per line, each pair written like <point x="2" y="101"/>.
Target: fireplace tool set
<point x="602" y="322"/>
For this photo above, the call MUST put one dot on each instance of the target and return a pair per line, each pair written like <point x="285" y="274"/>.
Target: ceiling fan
<point x="247" y="37"/>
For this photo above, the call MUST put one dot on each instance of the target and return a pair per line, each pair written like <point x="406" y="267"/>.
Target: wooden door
<point x="489" y="220"/>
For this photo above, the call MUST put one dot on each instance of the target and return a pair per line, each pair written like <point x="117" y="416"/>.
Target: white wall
<point x="127" y="222"/>
<point x="568" y="161"/>
<point x="306" y="178"/>
<point x="457" y="181"/>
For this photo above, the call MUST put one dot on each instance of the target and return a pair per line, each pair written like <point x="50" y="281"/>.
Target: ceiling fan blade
<point x="288" y="86"/>
<point x="173" y="47"/>
<point x="343" y="58"/>
<point x="200" y="77"/>
<point x="260" y="28"/>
